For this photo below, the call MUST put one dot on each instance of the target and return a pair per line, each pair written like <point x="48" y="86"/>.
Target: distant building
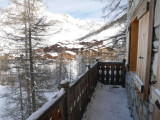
<point x="69" y="54"/>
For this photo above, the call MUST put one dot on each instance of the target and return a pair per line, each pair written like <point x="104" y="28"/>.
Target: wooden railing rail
<point x="71" y="102"/>
<point x="112" y="73"/>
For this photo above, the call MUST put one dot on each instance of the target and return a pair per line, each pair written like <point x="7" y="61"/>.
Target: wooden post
<point x="97" y="74"/>
<point x="123" y="73"/>
<point x="65" y="85"/>
<point x="89" y="83"/>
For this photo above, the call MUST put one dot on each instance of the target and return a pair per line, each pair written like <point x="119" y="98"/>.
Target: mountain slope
<point x="63" y="27"/>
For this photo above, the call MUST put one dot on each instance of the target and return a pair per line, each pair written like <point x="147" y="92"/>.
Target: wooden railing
<point x="71" y="102"/>
<point x="112" y="73"/>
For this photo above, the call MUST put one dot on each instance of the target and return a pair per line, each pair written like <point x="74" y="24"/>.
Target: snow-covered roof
<point x="95" y="49"/>
<point x="70" y="52"/>
<point x="53" y="54"/>
<point x="78" y="46"/>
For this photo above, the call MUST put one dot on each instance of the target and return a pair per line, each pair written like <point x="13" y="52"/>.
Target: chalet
<point x="100" y="42"/>
<point x="55" y="47"/>
<point x="40" y="50"/>
<point x="69" y="54"/>
<point x="92" y="43"/>
<point x="108" y="52"/>
<point x="94" y="53"/>
<point x="97" y="43"/>
<point x="51" y="55"/>
<point x="143" y="59"/>
<point x="86" y="43"/>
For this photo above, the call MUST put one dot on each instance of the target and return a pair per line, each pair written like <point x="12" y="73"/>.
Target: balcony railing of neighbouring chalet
<point x="70" y="102"/>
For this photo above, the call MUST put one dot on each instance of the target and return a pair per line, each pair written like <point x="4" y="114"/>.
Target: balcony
<point x="71" y="102"/>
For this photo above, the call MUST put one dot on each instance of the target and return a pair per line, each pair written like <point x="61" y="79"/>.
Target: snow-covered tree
<point x="25" y="23"/>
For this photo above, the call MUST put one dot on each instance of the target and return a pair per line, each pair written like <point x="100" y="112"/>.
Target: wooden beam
<point x="139" y="84"/>
<point x="156" y="97"/>
<point x="149" y="50"/>
<point x="143" y="10"/>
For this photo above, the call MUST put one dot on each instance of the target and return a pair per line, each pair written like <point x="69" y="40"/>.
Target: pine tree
<point x="27" y="28"/>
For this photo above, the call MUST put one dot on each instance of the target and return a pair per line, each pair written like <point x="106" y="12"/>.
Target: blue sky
<point x="84" y="9"/>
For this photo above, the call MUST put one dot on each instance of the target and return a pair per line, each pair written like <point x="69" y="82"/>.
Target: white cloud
<point x="77" y="8"/>
<point x="81" y="7"/>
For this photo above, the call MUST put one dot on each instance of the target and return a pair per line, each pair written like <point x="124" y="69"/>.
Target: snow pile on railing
<point x="47" y="105"/>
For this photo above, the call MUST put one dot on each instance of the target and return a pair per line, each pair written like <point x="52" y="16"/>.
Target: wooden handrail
<point x="71" y="102"/>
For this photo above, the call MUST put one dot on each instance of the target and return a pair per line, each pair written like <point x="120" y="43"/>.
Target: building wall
<point x="155" y="40"/>
<point x="143" y="110"/>
<point x="140" y="110"/>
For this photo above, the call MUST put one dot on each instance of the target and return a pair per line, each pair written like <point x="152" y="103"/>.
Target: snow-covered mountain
<point x="63" y="27"/>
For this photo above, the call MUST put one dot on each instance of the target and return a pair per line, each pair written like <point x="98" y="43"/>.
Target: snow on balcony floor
<point x="108" y="102"/>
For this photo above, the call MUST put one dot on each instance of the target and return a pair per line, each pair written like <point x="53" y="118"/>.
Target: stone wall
<point x="139" y="110"/>
<point x="155" y="40"/>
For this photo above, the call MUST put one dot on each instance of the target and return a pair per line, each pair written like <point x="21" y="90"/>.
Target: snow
<point x="157" y="91"/>
<point x="46" y="106"/>
<point x="63" y="28"/>
<point x="2" y="101"/>
<point x="3" y="90"/>
<point x="74" y="46"/>
<point x="105" y="34"/>
<point x="64" y="82"/>
<point x="70" y="52"/>
<point x="108" y="102"/>
<point x="154" y="66"/>
<point x="156" y="95"/>
<point x="53" y="54"/>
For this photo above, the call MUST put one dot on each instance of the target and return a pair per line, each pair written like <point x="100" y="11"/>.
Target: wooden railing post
<point x="124" y="73"/>
<point x="89" y="82"/>
<point x="65" y="85"/>
<point x="97" y="73"/>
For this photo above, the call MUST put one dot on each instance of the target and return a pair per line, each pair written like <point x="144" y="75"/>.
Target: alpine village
<point x="59" y="61"/>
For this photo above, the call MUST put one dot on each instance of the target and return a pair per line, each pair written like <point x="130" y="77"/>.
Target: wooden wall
<point x="156" y="113"/>
<point x="141" y="43"/>
<point x="142" y="47"/>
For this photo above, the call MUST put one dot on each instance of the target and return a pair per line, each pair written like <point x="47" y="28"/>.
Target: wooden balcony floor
<point x="108" y="102"/>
